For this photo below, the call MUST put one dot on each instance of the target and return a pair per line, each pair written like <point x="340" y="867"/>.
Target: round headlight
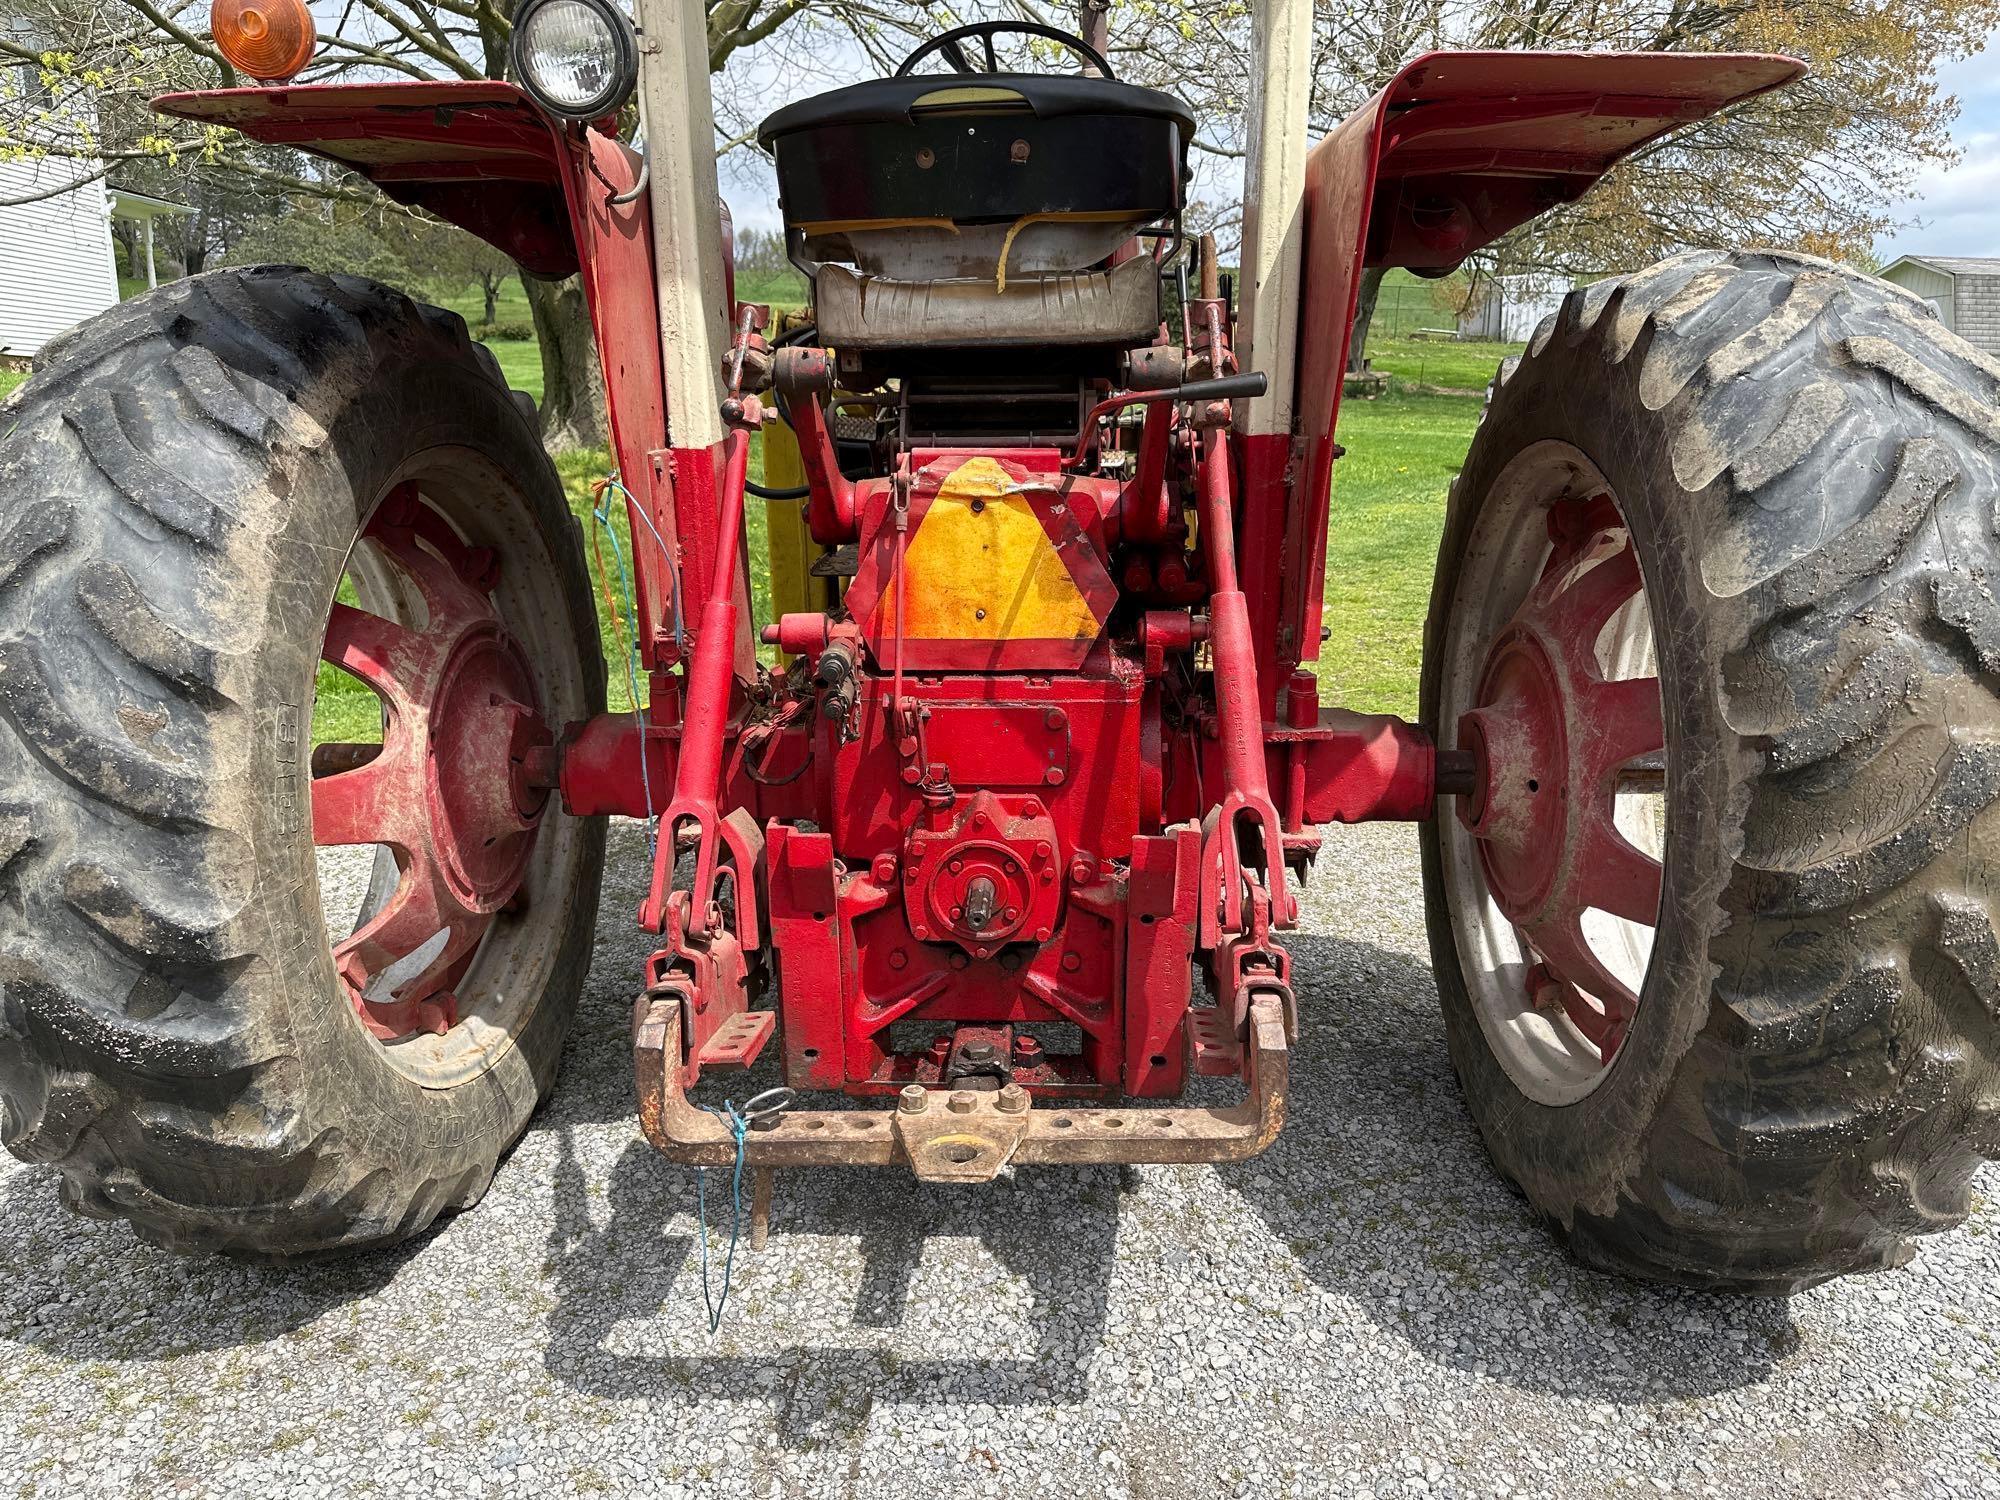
<point x="577" y="57"/>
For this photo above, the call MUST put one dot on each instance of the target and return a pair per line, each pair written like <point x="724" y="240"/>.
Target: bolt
<point x="959" y="960"/>
<point x="914" y="1099"/>
<point x="926" y="158"/>
<point x="885" y="868"/>
<point x="1031" y="808"/>
<point x="1055" y="718"/>
<point x="1026" y="1048"/>
<point x="1018" y="151"/>
<point x="1012" y="1099"/>
<point x="961" y="1103"/>
<point x="1083" y="869"/>
<point x="979" y="820"/>
<point x="1043" y="934"/>
<point x="1072" y="962"/>
<point x="1053" y="776"/>
<point x="911" y="775"/>
<point x="980" y="1052"/>
<point x="1042" y="850"/>
<point x="899" y="959"/>
<point x="957" y="865"/>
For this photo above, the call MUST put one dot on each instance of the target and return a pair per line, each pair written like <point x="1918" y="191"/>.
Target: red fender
<point x="1461" y="148"/>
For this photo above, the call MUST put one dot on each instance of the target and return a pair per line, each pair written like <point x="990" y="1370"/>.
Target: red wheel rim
<point x="1555" y="738"/>
<point x="450" y="792"/>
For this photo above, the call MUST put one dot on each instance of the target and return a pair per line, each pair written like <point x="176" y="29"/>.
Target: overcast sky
<point x="1958" y="207"/>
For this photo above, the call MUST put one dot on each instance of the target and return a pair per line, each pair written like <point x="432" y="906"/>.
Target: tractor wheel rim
<point x="450" y="797"/>
<point x="1554" y="864"/>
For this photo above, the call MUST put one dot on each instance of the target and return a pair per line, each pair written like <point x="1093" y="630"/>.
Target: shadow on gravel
<point x="158" y="1305"/>
<point x="1382" y="1189"/>
<point x="1055" y="1231"/>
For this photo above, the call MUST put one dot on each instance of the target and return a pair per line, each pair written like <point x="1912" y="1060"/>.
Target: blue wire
<point x="739" y="1127"/>
<point x="666" y="556"/>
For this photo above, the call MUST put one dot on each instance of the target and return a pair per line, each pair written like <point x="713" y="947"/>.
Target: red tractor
<point x="1002" y="831"/>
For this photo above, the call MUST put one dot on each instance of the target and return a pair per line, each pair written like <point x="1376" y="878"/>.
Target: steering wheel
<point x="954" y="53"/>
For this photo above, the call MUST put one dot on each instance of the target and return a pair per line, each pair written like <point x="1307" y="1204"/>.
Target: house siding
<point x="1933" y="286"/>
<point x="56" y="265"/>
<point x="1978" y="312"/>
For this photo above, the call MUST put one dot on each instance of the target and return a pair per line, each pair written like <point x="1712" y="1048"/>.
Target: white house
<point x="1511" y="308"/>
<point x="1965" y="290"/>
<point x="57" y="260"/>
<point x="55" y="251"/>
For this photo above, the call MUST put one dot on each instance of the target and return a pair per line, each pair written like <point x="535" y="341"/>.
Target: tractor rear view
<point x="999" y="823"/>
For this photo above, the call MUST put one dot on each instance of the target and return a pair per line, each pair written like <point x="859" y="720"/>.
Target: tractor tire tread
<point x="1843" y="1089"/>
<point x="135" y="1056"/>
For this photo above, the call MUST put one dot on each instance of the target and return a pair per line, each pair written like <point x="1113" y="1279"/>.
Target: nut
<point x="914" y="1099"/>
<point x="961" y="1103"/>
<point x="1012" y="1099"/>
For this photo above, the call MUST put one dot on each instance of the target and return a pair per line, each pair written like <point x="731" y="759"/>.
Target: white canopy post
<point x="687" y="216"/>
<point x="1274" y="189"/>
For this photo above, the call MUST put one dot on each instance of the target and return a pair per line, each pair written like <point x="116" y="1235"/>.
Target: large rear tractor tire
<point x="185" y="483"/>
<point x="1715" y="608"/>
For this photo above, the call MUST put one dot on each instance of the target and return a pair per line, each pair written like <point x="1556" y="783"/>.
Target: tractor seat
<point x="971" y="208"/>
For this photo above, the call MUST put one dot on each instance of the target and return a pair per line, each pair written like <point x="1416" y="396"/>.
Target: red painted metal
<point x="1359" y="768"/>
<point x="983" y="837"/>
<point x="1162" y="917"/>
<point x="449" y="792"/>
<point x="1550" y="738"/>
<point x="1243" y="865"/>
<point x="695" y="813"/>
<point x="804" y="377"/>
<point x="983" y="873"/>
<point x="600" y="772"/>
<point x="475" y="152"/>
<point x="1456" y="151"/>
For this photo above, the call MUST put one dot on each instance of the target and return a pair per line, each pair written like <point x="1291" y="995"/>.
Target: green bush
<point x="506" y="332"/>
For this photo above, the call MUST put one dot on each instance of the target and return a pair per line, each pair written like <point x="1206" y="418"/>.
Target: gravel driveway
<point x="1364" y="1310"/>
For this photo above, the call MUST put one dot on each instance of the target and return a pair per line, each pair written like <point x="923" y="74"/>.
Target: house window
<point x="26" y="82"/>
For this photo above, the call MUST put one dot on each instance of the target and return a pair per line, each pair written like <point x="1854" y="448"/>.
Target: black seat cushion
<point x="981" y="148"/>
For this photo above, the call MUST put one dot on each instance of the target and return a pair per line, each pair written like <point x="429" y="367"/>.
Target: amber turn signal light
<point x="268" y="39"/>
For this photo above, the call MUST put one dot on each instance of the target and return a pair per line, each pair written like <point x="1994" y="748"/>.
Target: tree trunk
<point x="490" y="284"/>
<point x="572" y="386"/>
<point x="1364" y="318"/>
<point x="194" y="244"/>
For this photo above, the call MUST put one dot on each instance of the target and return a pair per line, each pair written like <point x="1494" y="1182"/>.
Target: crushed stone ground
<point x="1365" y="1310"/>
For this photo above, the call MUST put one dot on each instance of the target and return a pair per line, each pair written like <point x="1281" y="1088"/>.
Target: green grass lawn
<point x="1438" y="363"/>
<point x="1403" y="451"/>
<point x="9" y="379"/>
